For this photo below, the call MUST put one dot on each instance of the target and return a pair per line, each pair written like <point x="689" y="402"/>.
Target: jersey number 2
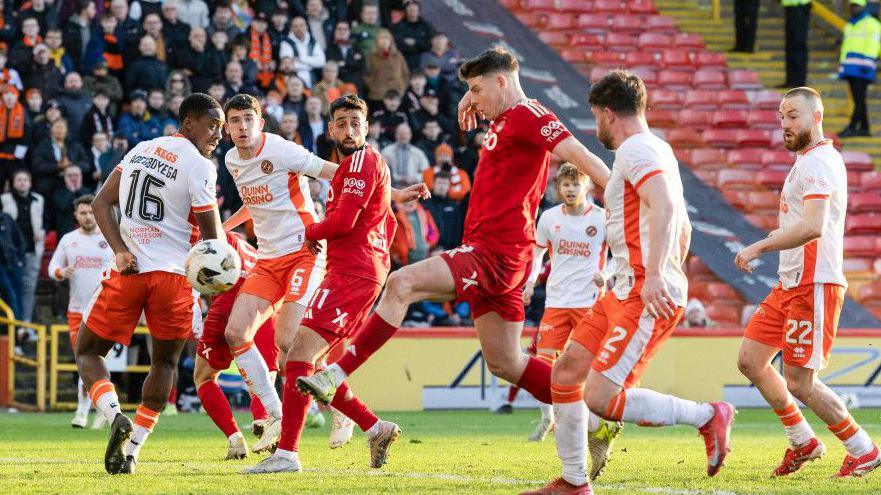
<point x="151" y="207"/>
<point x="804" y="337"/>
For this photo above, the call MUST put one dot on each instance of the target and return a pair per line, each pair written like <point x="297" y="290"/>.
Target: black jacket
<point x="206" y="66"/>
<point x="146" y="73"/>
<point x="421" y="31"/>
<point x="44" y="166"/>
<point x="352" y="65"/>
<point x="12" y="242"/>
<point x="449" y="217"/>
<point x="75" y="105"/>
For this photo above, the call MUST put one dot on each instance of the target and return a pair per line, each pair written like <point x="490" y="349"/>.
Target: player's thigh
<point x="88" y="343"/>
<point x="308" y="344"/>
<point x="166" y="353"/>
<point x="248" y="313"/>
<point x="287" y="322"/>
<point x="811" y="325"/>
<point x="499" y="340"/>
<point x="573" y="365"/>
<point x="429" y="279"/>
<point x="203" y="372"/>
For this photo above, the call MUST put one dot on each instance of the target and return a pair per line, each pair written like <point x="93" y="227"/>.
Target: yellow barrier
<point x="57" y="367"/>
<point x="39" y="364"/>
<point x="823" y="12"/>
<point x="717" y="10"/>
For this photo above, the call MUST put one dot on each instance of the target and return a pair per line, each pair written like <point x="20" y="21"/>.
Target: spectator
<point x="389" y="116"/>
<point x="102" y="82"/>
<point x="240" y="53"/>
<point x="374" y="135"/>
<point x="34" y="109"/>
<point x="272" y="108"/>
<point x="746" y="22"/>
<point x="300" y="45"/>
<point x="23" y="49"/>
<point x="142" y="8"/>
<point x="178" y="85"/>
<point x="416" y="234"/>
<point x="14" y="133"/>
<point x="105" y="47"/>
<point x="442" y="55"/>
<point x="26" y="209"/>
<point x="415" y="90"/>
<point x="99" y="155"/>
<point x="64" y="197"/>
<point x="368" y="26"/>
<point x="137" y="124"/>
<point x="859" y="64"/>
<point x="45" y="13"/>
<point x="174" y="28"/>
<point x="77" y="32"/>
<point x="172" y="113"/>
<point x="217" y="90"/>
<point x="386" y="68"/>
<point x="260" y="51"/>
<point x="330" y="87"/>
<point x="118" y="150"/>
<point x="42" y="123"/>
<point x="156" y="105"/>
<point x="278" y="29"/>
<point x="469" y="155"/>
<point x="432" y="137"/>
<point x="52" y="156"/>
<point x="193" y="13"/>
<point x="405" y="161"/>
<point x="460" y="184"/>
<point x="295" y="100"/>
<point x="233" y="83"/>
<point x="696" y="315"/>
<point x="43" y="74"/>
<point x="127" y="28"/>
<point x="289" y="127"/>
<point x="12" y="260"/>
<point x="413" y="34"/>
<point x="97" y="120"/>
<point x="7" y="24"/>
<point x="75" y="103"/>
<point x="441" y="87"/>
<point x="222" y="21"/>
<point x="320" y="23"/>
<point x="351" y="60"/>
<point x="8" y="75"/>
<point x="201" y="59"/>
<point x="447" y="213"/>
<point x="58" y="53"/>
<point x="147" y="72"/>
<point x="314" y="130"/>
<point x="430" y="109"/>
<point x="153" y="28"/>
<point x="797" y="23"/>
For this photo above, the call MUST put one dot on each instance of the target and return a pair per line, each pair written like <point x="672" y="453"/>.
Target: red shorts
<point x="340" y="305"/>
<point x="488" y="280"/>
<point x="165" y="298"/>
<point x="556" y="326"/>
<point x="212" y="345"/>
<point x="623" y="337"/>
<point x="292" y="277"/>
<point x="802" y="322"/>
<point x="73" y="327"/>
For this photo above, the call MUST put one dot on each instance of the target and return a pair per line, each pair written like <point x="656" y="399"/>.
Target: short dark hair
<point x="348" y="102"/>
<point x="197" y="105"/>
<point x="391" y="94"/>
<point x="243" y="102"/>
<point x="85" y="199"/>
<point x="21" y="171"/>
<point x="620" y="91"/>
<point x="496" y="59"/>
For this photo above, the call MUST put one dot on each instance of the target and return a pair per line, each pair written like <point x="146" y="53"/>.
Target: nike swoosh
<point x="715" y="459"/>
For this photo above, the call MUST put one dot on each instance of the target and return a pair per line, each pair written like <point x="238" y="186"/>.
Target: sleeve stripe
<point x="203" y="208"/>
<point x="647" y="177"/>
<point x="815" y="196"/>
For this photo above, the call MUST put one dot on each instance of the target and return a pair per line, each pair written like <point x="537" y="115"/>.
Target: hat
<point x="53" y="103"/>
<point x="8" y="88"/>
<point x="119" y="135"/>
<point x="430" y="92"/>
<point x="100" y="64"/>
<point x="31" y="92"/>
<point x="431" y="64"/>
<point x="408" y="2"/>
<point x="861" y="3"/>
<point x="443" y="149"/>
<point x="138" y="94"/>
<point x="261" y="16"/>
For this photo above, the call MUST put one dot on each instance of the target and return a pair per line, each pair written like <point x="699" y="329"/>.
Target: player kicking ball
<point x="800" y="315"/>
<point x="358" y="228"/>
<point x="648" y="232"/>
<point x="159" y="186"/>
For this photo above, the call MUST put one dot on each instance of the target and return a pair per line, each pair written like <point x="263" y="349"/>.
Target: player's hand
<point x="528" y="290"/>
<point x="411" y="193"/>
<point x="126" y="263"/>
<point x="67" y="272"/>
<point x="656" y="298"/>
<point x="313" y="246"/>
<point x="743" y="260"/>
<point x="467" y="113"/>
<point x="600" y="281"/>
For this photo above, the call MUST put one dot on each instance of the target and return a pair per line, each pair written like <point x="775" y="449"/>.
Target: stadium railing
<point x="37" y="362"/>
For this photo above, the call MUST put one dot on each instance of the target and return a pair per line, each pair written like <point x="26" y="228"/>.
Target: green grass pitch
<point x="439" y="452"/>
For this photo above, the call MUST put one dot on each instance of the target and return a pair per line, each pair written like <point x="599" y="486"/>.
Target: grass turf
<point x="440" y="452"/>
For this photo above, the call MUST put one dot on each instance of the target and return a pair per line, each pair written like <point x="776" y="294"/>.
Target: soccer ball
<point x="213" y="266"/>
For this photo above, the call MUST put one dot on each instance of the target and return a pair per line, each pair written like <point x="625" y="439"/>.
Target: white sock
<point x="649" y="408"/>
<point x="593" y="422"/>
<point x="338" y="372"/>
<point x="256" y="374"/>
<point x="547" y="411"/>
<point x="139" y="437"/>
<point x="374" y="430"/>
<point x="235" y="436"/>
<point x="83" y="402"/>
<point x="108" y="405"/>
<point x="799" y="433"/>
<point x="571" y="440"/>
<point x="859" y="444"/>
<point x="287" y="454"/>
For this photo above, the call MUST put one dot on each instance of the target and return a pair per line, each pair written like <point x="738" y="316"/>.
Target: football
<point x="213" y="266"/>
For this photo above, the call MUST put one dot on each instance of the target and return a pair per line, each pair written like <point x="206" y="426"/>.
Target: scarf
<point x="31" y="42"/>
<point x="11" y="122"/>
<point x="56" y="54"/>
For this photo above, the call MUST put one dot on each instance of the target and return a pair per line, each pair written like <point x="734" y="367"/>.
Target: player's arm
<point x="58" y="268"/>
<point x="203" y="201"/>
<point x="538" y="255"/>
<point x="105" y="217"/>
<point x="685" y="239"/>
<point x="406" y="195"/>
<point x="241" y="216"/>
<point x="810" y="227"/>
<point x="655" y="193"/>
<point x="209" y="223"/>
<point x="571" y="150"/>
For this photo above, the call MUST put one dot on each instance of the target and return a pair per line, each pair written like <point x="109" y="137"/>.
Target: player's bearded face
<point x="796" y="119"/>
<point x="85" y="218"/>
<point x="349" y="131"/>
<point x="604" y="134"/>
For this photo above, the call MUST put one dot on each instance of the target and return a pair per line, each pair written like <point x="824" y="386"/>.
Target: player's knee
<point x="501" y="367"/>
<point x="399" y="286"/>
<point x="597" y="403"/>
<point x="801" y="389"/>
<point x="748" y="367"/>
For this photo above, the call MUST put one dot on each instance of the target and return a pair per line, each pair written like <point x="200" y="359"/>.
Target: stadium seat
<point x="870" y="293"/>
<point x="606" y="59"/>
<point x="724" y="315"/>
<point x="558" y="21"/>
<point x="607" y="6"/>
<point x="658" y="41"/>
<point x="586" y="40"/>
<point x="737" y="179"/>
<point x="712" y="79"/>
<point x="764" y="119"/>
<point x="721" y="138"/>
<point x="574" y="55"/>
<point x="627" y="24"/>
<point x="696" y="119"/>
<point x="673" y="79"/>
<point x="621" y="42"/>
<point x="753" y="137"/>
<point x="641" y="59"/>
<point x="762" y="202"/>
<point x="699" y="289"/>
<point x="575" y="6"/>
<point x="598" y="23"/>
<point x="640" y="7"/>
<point x="663" y="99"/>
<point x="857" y="160"/>
<point x="708" y="177"/>
<point x="772" y="179"/>
<point x="859" y="224"/>
<point x="744" y="79"/>
<point x="764" y="221"/>
<point x="777" y="140"/>
<point x="511" y="5"/>
<point x="683" y="137"/>
<point x="663" y="119"/>
<point x="871" y="180"/>
<point x="710" y="59"/>
<point x="729" y="119"/>
<point x="686" y="40"/>
<point x="723" y="291"/>
<point x="548" y="5"/>
<point x="659" y="23"/>
<point x="683" y="155"/>
<point x="676" y="60"/>
<point x="854" y="179"/>
<point x="778" y="160"/>
<point x="767" y="100"/>
<point x="733" y="99"/>
<point x="864" y="202"/>
<point x="531" y="19"/>
<point x="648" y="75"/>
<point x="554" y="38"/>
<point x="735" y="197"/>
<point x="851" y="265"/>
<point x="708" y="159"/>
<point x="861" y="246"/>
<point x="746" y="158"/>
<point x="698" y="270"/>
<point x="699" y="99"/>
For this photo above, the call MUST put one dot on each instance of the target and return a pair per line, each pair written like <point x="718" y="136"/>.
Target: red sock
<point x="512" y="393"/>
<point x="368" y="340"/>
<point x="536" y="379"/>
<point x="172" y="396"/>
<point x="294" y="405"/>
<point x="346" y="403"/>
<point x="257" y="409"/>
<point x="217" y="407"/>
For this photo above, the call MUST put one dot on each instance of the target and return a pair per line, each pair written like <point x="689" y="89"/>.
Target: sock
<point x="593" y="422"/>
<point x="798" y="431"/>
<point x="536" y="379"/>
<point x="512" y="393"/>
<point x="571" y="431"/>
<point x="234" y="436"/>
<point x="295" y="406"/>
<point x="217" y="407"/>
<point x="855" y="439"/>
<point x="103" y="394"/>
<point x="172" y="396"/>
<point x="83" y="402"/>
<point x="338" y="372"/>
<point x="145" y="420"/>
<point x="347" y="403"/>
<point x="649" y="408"/>
<point x="373" y="430"/>
<point x="547" y="411"/>
<point x="256" y="374"/>
<point x="368" y="340"/>
<point x="257" y="409"/>
<point x="287" y="454"/>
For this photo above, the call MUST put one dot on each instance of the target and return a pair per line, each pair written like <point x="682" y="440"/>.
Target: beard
<point x="798" y="141"/>
<point x="605" y="137"/>
<point x="348" y="149"/>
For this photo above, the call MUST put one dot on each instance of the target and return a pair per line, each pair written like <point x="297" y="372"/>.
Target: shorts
<point x="73" y="327"/>
<point x="488" y="280"/>
<point x="556" y="326"/>
<point x="292" y="277"/>
<point x="340" y="306"/>
<point x="802" y="322"/>
<point x="213" y="347"/>
<point x="623" y="337"/>
<point x="165" y="298"/>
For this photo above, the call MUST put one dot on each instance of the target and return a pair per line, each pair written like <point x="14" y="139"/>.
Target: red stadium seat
<point x="667" y="100"/>
<point x="735" y="197"/>
<point x="606" y="59"/>
<point x="587" y="39"/>
<point x="764" y="119"/>
<point x="598" y="73"/>
<point x="708" y="177"/>
<point x="746" y="158"/>
<point x="733" y="99"/>
<point x="778" y="160"/>
<point x="684" y="137"/>
<point x="531" y="19"/>
<point x="593" y="23"/>
<point x="608" y="6"/>
<point x="626" y="24"/>
<point x="777" y="139"/>
<point x="621" y="42"/>
<point x="864" y="202"/>
<point x="744" y="79"/>
<point x="858" y="160"/>
<point x="767" y="100"/>
<point x="538" y="4"/>
<point x="659" y="41"/>
<point x="575" y="6"/>
<point x="753" y="137"/>
<point x="870" y="293"/>
<point x="737" y="179"/>
<point x="707" y="59"/>
<point x="764" y="221"/>
<point x="763" y="202"/>
<point x="708" y="159"/>
<point x="871" y="180"/>
<point x="699" y="290"/>
<point x="699" y="270"/>
<point x="676" y="59"/>
<point x="721" y="138"/>
<point x="771" y="179"/>
<point x="861" y="265"/>
<point x="659" y="23"/>
<point x="683" y="155"/>
<point x="696" y="119"/>
<point x="554" y="38"/>
<point x="672" y="79"/>
<point x="729" y="119"/>
<point x="641" y="7"/>
<point x="648" y="75"/>
<point x="698" y="99"/>
<point x="511" y="5"/>
<point x="721" y="290"/>
<point x="686" y="40"/>
<point x="573" y="55"/>
<point x="663" y="119"/>
<point x="854" y="180"/>
<point x="724" y="315"/>
<point x="712" y="79"/>
<point x="641" y="59"/>
<point x="558" y="21"/>
<point x="864" y="246"/>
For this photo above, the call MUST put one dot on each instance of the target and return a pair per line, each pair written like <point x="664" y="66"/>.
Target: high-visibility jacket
<point x="794" y="3"/>
<point x="860" y="47"/>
